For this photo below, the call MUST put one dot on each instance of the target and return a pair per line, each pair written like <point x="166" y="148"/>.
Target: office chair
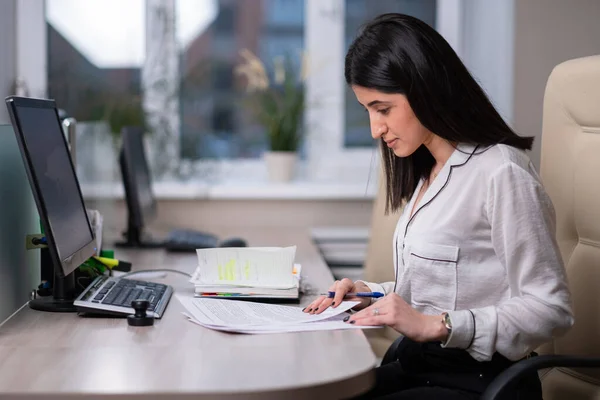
<point x="569" y="169"/>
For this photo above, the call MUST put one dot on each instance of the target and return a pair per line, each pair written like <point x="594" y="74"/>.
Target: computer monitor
<point x="57" y="194"/>
<point x="137" y="183"/>
<point x="141" y="204"/>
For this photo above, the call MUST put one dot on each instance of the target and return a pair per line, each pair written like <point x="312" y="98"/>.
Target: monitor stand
<point x="134" y="237"/>
<point x="63" y="291"/>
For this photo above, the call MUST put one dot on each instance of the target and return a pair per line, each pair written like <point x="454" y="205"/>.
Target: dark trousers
<point x="426" y="371"/>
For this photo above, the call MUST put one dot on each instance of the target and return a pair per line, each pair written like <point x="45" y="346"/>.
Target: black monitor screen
<point x="57" y="183"/>
<point x="141" y="171"/>
<point x="137" y="175"/>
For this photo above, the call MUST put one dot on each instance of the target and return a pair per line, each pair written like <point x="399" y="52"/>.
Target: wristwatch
<point x="448" y="324"/>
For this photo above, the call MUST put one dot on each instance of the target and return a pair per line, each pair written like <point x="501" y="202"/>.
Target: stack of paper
<point x="249" y="272"/>
<point x="248" y="317"/>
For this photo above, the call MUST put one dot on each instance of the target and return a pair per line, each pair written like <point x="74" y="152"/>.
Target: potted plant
<point x="124" y="110"/>
<point x="121" y="110"/>
<point x="278" y="105"/>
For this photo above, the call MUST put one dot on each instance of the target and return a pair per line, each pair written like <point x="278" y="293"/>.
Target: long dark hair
<point x="397" y="53"/>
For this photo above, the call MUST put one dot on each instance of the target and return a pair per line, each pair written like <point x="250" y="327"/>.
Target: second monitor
<point x="141" y="204"/>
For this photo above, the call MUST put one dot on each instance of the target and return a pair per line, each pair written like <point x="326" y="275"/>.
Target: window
<point x="97" y="60"/>
<point x="216" y="123"/>
<point x="357" y="13"/>
<point x="94" y="74"/>
<point x="98" y="63"/>
<point x="224" y="23"/>
<point x="340" y="146"/>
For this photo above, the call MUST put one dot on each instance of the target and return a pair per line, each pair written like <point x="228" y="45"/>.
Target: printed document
<point x="258" y="267"/>
<point x="252" y="317"/>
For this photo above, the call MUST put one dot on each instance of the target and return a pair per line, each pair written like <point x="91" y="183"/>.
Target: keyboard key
<point x="122" y="296"/>
<point x="134" y="295"/>
<point x="111" y="297"/>
<point x="145" y="294"/>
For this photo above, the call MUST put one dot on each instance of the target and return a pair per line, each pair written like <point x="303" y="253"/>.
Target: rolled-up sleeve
<point x="522" y="221"/>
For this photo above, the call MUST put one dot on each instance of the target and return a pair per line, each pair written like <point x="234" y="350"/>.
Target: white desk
<point x="52" y="356"/>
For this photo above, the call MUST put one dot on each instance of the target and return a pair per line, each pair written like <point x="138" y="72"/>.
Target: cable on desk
<point x="155" y="270"/>
<point x="81" y="285"/>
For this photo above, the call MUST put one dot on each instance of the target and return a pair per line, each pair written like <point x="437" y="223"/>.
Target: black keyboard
<point x="187" y="240"/>
<point x="110" y="295"/>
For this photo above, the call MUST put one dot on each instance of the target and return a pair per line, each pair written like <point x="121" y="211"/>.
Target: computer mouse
<point x="233" y="242"/>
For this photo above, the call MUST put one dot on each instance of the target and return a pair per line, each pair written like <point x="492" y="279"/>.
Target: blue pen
<point x="358" y="294"/>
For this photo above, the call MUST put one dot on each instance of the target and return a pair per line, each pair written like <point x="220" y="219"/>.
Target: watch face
<point x="447" y="321"/>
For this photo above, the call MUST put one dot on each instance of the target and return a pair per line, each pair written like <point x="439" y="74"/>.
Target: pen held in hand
<point x="356" y="294"/>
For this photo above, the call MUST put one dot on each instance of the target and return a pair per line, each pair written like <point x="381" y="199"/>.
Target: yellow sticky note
<point x="230" y="270"/>
<point x="247" y="270"/>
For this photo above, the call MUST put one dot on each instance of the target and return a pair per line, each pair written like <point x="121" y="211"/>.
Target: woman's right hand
<point x="341" y="288"/>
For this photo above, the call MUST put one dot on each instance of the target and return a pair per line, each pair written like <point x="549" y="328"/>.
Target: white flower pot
<point x="281" y="165"/>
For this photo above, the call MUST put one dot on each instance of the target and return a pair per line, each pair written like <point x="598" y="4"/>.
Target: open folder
<point x="247" y="273"/>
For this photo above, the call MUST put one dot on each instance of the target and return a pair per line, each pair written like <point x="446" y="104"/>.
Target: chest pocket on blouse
<point x="433" y="277"/>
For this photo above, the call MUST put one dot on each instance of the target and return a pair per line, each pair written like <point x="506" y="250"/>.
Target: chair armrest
<point x="512" y="374"/>
<point x="390" y="354"/>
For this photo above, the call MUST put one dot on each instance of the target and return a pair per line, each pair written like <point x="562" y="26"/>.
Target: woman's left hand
<point x="396" y="313"/>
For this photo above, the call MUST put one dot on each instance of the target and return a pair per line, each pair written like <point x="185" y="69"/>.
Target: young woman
<point x="480" y="282"/>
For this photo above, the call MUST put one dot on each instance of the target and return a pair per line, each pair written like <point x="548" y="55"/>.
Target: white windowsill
<point x="296" y="190"/>
<point x="349" y="176"/>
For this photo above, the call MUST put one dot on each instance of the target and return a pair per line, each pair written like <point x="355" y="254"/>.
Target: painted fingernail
<point x="333" y="304"/>
<point x="346" y="319"/>
<point x="304" y="309"/>
<point x="352" y="322"/>
<point x="316" y="308"/>
<point x="310" y="309"/>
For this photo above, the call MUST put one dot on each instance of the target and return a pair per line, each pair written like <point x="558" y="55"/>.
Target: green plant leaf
<point x="279" y="109"/>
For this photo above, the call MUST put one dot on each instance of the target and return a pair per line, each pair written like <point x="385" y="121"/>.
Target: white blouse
<point x="481" y="246"/>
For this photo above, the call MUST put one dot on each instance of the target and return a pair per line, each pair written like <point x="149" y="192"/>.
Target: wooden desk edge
<point x="343" y="389"/>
